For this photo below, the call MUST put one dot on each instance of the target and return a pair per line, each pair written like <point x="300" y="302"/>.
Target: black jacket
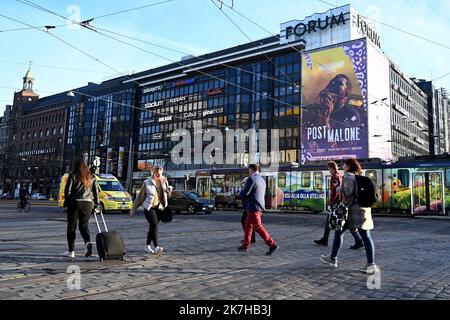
<point x="75" y="191"/>
<point x="23" y="193"/>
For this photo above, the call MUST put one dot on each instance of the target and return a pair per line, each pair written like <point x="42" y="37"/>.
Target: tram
<point x="411" y="186"/>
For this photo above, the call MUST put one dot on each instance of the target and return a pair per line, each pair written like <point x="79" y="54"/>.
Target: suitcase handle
<point x="103" y="218"/>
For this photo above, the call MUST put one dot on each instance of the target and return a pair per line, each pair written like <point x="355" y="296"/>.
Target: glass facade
<point x="99" y="122"/>
<point x="237" y="98"/>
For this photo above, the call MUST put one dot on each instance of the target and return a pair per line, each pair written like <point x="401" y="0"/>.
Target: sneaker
<point x="358" y="245"/>
<point x="370" y="269"/>
<point x="88" y="250"/>
<point x="273" y="249"/>
<point x="149" y="249"/>
<point x="159" y="250"/>
<point x="70" y="254"/>
<point x="321" y="242"/>
<point x="242" y="248"/>
<point x="328" y="260"/>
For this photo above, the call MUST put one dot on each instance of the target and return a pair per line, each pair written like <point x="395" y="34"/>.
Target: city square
<point x="190" y="125"/>
<point x="202" y="261"/>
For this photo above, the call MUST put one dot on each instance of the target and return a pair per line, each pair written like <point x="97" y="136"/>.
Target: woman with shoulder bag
<point x="335" y="199"/>
<point x="153" y="196"/>
<point x="81" y="195"/>
<point x="359" y="218"/>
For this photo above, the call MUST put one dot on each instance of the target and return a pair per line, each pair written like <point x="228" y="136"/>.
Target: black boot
<point x="358" y="245"/>
<point x="88" y="250"/>
<point x="322" y="242"/>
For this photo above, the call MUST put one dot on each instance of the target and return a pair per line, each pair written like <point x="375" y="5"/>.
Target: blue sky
<point x="194" y="27"/>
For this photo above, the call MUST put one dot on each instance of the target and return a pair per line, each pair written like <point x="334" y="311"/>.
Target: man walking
<point x="253" y="197"/>
<point x="23" y="196"/>
<point x="245" y="214"/>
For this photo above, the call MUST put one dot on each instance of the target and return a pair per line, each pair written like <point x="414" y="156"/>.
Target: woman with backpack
<point x="153" y="196"/>
<point x="335" y="198"/>
<point x="81" y="195"/>
<point x="359" y="218"/>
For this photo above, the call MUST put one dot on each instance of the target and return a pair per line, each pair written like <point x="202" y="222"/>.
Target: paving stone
<point x="202" y="262"/>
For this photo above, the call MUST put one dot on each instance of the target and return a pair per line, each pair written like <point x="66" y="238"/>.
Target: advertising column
<point x="334" y="118"/>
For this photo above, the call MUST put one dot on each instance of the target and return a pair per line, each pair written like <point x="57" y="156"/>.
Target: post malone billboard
<point x="334" y="113"/>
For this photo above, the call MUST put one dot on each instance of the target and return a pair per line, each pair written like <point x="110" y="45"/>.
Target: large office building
<point x="101" y="123"/>
<point x="410" y="116"/>
<point x="324" y="83"/>
<point x="438" y="116"/>
<point x="35" y="149"/>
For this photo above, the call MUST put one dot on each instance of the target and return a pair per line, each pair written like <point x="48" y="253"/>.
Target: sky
<point x="192" y="27"/>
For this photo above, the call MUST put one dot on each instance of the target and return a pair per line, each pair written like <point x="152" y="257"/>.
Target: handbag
<point x="338" y="216"/>
<point x="164" y="215"/>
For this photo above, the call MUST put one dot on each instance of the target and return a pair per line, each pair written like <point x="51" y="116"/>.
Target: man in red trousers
<point x="253" y="196"/>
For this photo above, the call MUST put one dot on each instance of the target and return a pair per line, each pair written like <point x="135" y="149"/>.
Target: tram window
<point x="402" y="178"/>
<point x="306" y="179"/>
<point x="282" y="180"/>
<point x="372" y="175"/>
<point x="318" y="180"/>
<point x="447" y="178"/>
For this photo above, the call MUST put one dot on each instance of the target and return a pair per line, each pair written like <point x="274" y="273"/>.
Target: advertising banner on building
<point x="334" y="114"/>
<point x="120" y="162"/>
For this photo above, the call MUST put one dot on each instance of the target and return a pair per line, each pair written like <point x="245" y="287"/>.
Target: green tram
<point x="412" y="185"/>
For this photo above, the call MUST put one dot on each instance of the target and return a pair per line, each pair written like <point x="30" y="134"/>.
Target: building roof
<point x="28" y="93"/>
<point x="255" y="46"/>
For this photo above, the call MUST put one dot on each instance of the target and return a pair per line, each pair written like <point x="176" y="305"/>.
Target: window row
<point x="38" y="121"/>
<point x="47" y="132"/>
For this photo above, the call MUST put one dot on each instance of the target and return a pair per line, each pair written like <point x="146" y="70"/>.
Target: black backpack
<point x="366" y="191"/>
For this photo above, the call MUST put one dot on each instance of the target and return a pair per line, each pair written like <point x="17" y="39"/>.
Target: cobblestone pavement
<point x="201" y="260"/>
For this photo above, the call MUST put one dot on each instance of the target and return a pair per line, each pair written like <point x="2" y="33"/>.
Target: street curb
<point x="35" y="204"/>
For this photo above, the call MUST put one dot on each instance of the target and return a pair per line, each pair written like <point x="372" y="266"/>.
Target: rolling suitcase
<point x="110" y="245"/>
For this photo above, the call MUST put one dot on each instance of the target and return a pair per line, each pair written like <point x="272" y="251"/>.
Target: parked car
<point x="7" y="196"/>
<point x="38" y="196"/>
<point x="190" y="202"/>
<point x="224" y="200"/>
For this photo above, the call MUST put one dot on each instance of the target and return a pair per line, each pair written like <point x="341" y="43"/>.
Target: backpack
<point x="366" y="194"/>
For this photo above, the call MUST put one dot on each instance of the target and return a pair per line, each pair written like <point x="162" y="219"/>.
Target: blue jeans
<point x="366" y="238"/>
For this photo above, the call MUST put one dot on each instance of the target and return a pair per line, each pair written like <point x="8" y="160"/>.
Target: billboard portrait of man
<point x="334" y="118"/>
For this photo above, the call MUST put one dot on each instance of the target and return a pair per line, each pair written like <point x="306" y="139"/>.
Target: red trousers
<point x="254" y="222"/>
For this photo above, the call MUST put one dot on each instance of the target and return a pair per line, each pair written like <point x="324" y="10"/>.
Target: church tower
<point x="28" y="80"/>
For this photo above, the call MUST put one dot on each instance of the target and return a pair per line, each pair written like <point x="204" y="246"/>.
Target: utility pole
<point x="129" y="183"/>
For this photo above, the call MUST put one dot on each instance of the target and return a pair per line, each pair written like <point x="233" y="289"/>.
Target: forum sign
<point x="335" y="26"/>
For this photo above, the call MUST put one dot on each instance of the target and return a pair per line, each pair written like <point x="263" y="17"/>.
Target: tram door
<point x="428" y="193"/>
<point x="271" y="193"/>
<point x="204" y="187"/>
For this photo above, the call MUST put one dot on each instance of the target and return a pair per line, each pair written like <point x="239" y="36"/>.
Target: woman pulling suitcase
<point x="80" y="194"/>
<point x="153" y="197"/>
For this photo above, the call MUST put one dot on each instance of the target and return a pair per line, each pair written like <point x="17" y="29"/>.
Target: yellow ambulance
<point x="112" y="196"/>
